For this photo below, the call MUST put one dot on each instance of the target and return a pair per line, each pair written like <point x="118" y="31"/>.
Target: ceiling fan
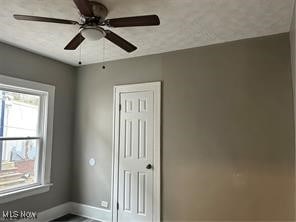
<point x="92" y="20"/>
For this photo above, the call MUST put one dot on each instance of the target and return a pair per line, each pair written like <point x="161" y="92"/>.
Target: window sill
<point x="26" y="192"/>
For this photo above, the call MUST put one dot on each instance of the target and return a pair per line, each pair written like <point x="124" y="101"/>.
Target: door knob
<point x="149" y="166"/>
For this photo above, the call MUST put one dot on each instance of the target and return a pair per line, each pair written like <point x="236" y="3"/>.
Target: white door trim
<point x="156" y="88"/>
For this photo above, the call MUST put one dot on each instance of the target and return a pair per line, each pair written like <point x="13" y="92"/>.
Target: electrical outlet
<point x="104" y="204"/>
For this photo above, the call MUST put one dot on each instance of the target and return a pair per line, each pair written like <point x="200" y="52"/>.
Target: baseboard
<point x="91" y="212"/>
<point x="95" y="213"/>
<point x="55" y="212"/>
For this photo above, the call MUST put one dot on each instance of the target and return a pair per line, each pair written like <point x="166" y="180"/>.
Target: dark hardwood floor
<point x="75" y="218"/>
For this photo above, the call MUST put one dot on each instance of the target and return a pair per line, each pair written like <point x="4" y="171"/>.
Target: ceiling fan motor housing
<point x="99" y="10"/>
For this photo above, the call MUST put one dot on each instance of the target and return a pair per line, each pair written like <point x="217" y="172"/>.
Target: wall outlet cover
<point x="104" y="204"/>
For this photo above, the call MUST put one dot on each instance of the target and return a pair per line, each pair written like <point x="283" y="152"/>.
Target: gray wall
<point x="293" y="47"/>
<point x="228" y="140"/>
<point x="293" y="65"/>
<point x="19" y="63"/>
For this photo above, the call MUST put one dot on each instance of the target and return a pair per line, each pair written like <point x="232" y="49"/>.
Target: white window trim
<point x="47" y="135"/>
<point x="26" y="192"/>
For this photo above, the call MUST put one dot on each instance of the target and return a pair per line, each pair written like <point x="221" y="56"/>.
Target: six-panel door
<point x="135" y="185"/>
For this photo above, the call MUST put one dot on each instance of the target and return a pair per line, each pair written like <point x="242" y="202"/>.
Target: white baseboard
<point x="91" y="212"/>
<point x="95" y="213"/>
<point x="55" y="212"/>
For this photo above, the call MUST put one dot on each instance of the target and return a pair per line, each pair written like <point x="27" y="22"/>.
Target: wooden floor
<point x="72" y="217"/>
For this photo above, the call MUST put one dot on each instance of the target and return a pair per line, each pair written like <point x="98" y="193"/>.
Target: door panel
<point x="127" y="190"/>
<point x="141" y="193"/>
<point x="142" y="133"/>
<point x="128" y="128"/>
<point x="135" y="185"/>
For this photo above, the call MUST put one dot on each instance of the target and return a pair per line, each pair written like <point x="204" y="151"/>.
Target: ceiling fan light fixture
<point x="93" y="34"/>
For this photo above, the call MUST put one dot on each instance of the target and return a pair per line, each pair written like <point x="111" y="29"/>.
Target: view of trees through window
<point x="19" y="122"/>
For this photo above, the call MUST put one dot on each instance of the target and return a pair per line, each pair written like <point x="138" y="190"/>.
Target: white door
<point x="136" y="163"/>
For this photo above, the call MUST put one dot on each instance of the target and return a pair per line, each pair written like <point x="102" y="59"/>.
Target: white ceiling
<point x="184" y="24"/>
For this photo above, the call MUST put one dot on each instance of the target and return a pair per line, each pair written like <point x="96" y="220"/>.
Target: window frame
<point x="46" y="115"/>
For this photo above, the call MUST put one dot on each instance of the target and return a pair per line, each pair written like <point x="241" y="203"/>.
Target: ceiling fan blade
<point x="75" y="42"/>
<point x="84" y="7"/>
<point x="117" y="40"/>
<point x="146" y="20"/>
<point x="44" y="19"/>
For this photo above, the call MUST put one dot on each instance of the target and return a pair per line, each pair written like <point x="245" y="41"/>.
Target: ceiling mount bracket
<point x="99" y="10"/>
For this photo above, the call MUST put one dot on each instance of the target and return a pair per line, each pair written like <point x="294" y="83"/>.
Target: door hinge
<point x="117" y="205"/>
<point x="119" y="107"/>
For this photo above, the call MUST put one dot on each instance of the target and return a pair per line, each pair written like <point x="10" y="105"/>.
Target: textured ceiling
<point x="184" y="24"/>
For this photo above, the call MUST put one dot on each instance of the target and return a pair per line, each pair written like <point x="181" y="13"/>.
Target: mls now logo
<point x="13" y="215"/>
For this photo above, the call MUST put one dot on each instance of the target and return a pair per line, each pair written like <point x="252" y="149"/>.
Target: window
<point x="26" y="119"/>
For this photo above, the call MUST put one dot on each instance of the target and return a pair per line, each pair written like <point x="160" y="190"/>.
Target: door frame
<point x="118" y="89"/>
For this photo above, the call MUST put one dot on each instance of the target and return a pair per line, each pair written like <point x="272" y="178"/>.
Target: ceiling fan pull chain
<point x="103" y="67"/>
<point x="80" y="55"/>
